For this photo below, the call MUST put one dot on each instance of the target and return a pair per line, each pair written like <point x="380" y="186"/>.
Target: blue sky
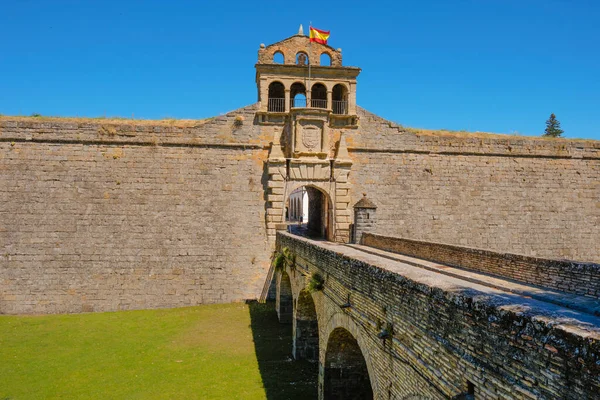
<point x="487" y="65"/>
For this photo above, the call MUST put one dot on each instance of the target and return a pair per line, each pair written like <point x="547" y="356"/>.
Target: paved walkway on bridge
<point x="578" y="314"/>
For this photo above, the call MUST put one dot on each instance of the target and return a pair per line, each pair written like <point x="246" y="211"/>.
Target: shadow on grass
<point x="283" y="377"/>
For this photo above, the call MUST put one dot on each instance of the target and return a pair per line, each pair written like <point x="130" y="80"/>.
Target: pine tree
<point x="553" y="127"/>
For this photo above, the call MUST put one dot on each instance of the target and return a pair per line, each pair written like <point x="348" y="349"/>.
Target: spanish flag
<point x="319" y="36"/>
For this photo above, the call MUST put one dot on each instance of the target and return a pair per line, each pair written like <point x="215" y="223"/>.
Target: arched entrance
<point x="345" y="374"/>
<point x="284" y="303"/>
<point x="306" y="329"/>
<point x="315" y="219"/>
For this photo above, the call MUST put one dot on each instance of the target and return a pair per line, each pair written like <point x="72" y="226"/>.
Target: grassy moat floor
<point x="230" y="351"/>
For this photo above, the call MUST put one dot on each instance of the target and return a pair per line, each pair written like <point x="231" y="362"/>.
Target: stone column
<point x="364" y="218"/>
<point x="287" y="100"/>
<point x="264" y="94"/>
<point x="330" y="99"/>
<point x="352" y="99"/>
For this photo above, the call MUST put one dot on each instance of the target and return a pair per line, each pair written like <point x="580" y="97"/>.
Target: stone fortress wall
<point x="98" y="215"/>
<point x="101" y="216"/>
<point x="535" y="197"/>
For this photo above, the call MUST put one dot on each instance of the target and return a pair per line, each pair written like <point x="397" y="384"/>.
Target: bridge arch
<point x="306" y="328"/>
<point x="339" y="320"/>
<point x="345" y="372"/>
<point x="284" y="302"/>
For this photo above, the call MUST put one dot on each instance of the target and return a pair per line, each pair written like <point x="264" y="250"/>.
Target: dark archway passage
<point x="285" y="302"/>
<point x="346" y="376"/>
<point x="306" y="329"/>
<point x="317" y="215"/>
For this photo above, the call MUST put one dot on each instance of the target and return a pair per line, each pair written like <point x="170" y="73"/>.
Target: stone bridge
<point x="399" y="319"/>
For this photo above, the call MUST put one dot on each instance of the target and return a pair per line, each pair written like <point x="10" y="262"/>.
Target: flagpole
<point x="310" y="57"/>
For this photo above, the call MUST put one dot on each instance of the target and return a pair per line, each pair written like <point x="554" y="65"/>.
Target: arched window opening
<point x="340" y="99"/>
<point x="306" y="329"/>
<point x="278" y="58"/>
<point x="346" y="375"/>
<point x="314" y="213"/>
<point x="302" y="58"/>
<point x="276" y="97"/>
<point x="325" y="60"/>
<point x="298" y="95"/>
<point x="284" y="303"/>
<point x="318" y="96"/>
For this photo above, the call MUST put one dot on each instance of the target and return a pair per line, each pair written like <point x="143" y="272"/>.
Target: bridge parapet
<point x="567" y="276"/>
<point x="436" y="336"/>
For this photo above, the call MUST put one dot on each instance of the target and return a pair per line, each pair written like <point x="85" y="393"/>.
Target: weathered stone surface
<point x="98" y="221"/>
<point x="521" y="195"/>
<point x="105" y="226"/>
<point x="444" y="333"/>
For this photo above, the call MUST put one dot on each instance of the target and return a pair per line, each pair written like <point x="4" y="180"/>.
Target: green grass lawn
<point x="232" y="351"/>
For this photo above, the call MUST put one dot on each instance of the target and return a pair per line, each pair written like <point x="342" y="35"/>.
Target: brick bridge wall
<point x="441" y="339"/>
<point x="566" y="276"/>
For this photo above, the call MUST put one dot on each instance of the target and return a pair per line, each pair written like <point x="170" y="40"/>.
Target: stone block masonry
<point x="97" y="217"/>
<point x="527" y="196"/>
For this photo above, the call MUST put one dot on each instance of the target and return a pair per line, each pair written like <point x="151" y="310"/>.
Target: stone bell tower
<point x="309" y="99"/>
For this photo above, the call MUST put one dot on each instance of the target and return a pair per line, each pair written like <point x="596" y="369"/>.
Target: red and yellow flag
<point x="319" y="36"/>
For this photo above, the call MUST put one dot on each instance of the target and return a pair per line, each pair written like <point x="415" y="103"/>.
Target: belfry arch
<point x="346" y="375"/>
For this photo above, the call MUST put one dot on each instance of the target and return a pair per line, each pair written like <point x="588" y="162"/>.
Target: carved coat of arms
<point x="311" y="137"/>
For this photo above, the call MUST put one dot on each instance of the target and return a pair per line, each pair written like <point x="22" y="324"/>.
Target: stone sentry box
<point x="365" y="218"/>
